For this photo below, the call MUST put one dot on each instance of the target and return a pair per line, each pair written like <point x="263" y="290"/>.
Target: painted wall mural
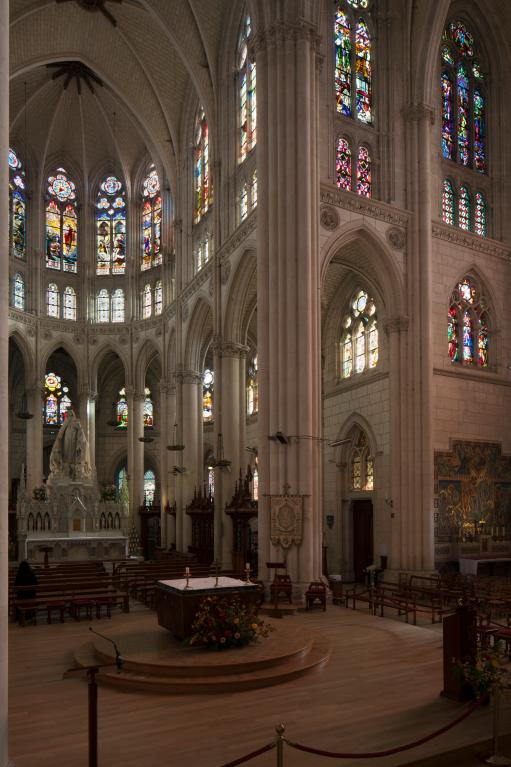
<point x="473" y="488"/>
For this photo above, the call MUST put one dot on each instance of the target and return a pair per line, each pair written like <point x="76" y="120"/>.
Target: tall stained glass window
<point x="480" y="215"/>
<point x="463" y="99"/>
<point x="464" y="208"/>
<point x="18" y="291"/>
<point x="246" y="93"/>
<point x="17" y="207"/>
<point x="148" y="408"/>
<point x="353" y="61"/>
<point x="363" y="172"/>
<point x="467" y="325"/>
<point x="447" y="202"/>
<point x="208" y="380"/>
<point x="69" y="303"/>
<point x="202" y="186"/>
<point x="118" y="305"/>
<point x="361" y="463"/>
<point x="202" y="252"/>
<point x="358" y="350"/>
<point x="353" y="169"/>
<point x="149" y="487"/>
<point x="53" y="300"/>
<point x="151" y="221"/>
<point x="111" y="227"/>
<point x="122" y="410"/>
<point x="147" y="302"/>
<point x="61" y="223"/>
<point x="252" y="387"/>
<point x="57" y="401"/>
<point x="103" y="306"/>
<point x="158" y="297"/>
<point x="343" y="165"/>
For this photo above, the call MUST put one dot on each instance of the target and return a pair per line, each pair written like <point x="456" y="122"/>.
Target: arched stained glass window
<point x="447" y="203"/>
<point x="202" y="253"/>
<point x="254" y="189"/>
<point x="118" y="305"/>
<point x="208" y="381"/>
<point x="463" y="99"/>
<point x="464" y="209"/>
<point x="57" y="401"/>
<point x="61" y="223"/>
<point x="363" y="172"/>
<point x="151" y="221"/>
<point x="361" y="463"/>
<point x="18" y="291"/>
<point x="149" y="487"/>
<point x="467" y="325"/>
<point x="122" y="410"/>
<point x="252" y="387"/>
<point x="244" y="201"/>
<point x="343" y="165"/>
<point x="202" y="187"/>
<point x="147" y="302"/>
<point x="480" y="215"/>
<point x="359" y="338"/>
<point x="111" y="227"/>
<point x="148" y="409"/>
<point x="69" y="303"/>
<point x="53" y="300"/>
<point x="103" y="306"/>
<point x="353" y="61"/>
<point x="255" y="481"/>
<point x="158" y="297"/>
<point x="17" y="207"/>
<point x="246" y="93"/>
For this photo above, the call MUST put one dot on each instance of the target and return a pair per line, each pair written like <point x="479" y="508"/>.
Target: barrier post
<point x="280" y="730"/>
<point x="496" y="758"/>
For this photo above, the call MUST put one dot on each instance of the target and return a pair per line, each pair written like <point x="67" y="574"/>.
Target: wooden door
<point x="362" y="537"/>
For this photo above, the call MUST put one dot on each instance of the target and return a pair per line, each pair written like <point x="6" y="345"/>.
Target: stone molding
<point x="24" y="317"/>
<point x="396" y="237"/>
<point x="416" y="112"/>
<point x="397" y="324"/>
<point x="229" y="349"/>
<point x="129" y="389"/>
<point x="331" y="195"/>
<point x="473" y="241"/>
<point x="238" y="236"/>
<point x="138" y="396"/>
<point x="328" y="218"/>
<point x="199" y="280"/>
<point x="281" y="31"/>
<point x="484" y="377"/>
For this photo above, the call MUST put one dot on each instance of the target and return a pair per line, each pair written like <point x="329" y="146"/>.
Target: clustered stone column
<point x="34" y="474"/>
<point x="189" y="383"/>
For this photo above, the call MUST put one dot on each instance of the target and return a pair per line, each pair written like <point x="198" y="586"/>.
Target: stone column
<point x="4" y="378"/>
<point x="88" y="419"/>
<point x="171" y="457"/>
<point x="163" y="428"/>
<point x="138" y="452"/>
<point x="191" y="436"/>
<point x="34" y="440"/>
<point x="288" y="316"/>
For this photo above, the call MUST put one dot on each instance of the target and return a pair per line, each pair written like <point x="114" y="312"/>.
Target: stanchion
<point x="280" y="730"/>
<point x="496" y="758"/>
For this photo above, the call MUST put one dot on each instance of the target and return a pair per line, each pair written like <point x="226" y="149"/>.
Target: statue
<point x="70" y="453"/>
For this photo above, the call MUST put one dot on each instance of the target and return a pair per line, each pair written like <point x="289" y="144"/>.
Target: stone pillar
<point x="4" y="378"/>
<point x="88" y="419"/>
<point x="34" y="440"/>
<point x="131" y="454"/>
<point x="171" y="458"/>
<point x="163" y="428"/>
<point x="288" y="316"/>
<point x="138" y="452"/>
<point x="191" y="436"/>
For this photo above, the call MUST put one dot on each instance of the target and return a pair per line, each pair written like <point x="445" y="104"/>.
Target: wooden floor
<point x="380" y="689"/>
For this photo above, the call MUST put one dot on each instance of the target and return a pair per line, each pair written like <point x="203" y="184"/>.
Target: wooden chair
<point x="315" y="596"/>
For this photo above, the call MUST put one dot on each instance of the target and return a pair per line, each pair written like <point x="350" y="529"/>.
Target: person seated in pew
<point x="25" y="577"/>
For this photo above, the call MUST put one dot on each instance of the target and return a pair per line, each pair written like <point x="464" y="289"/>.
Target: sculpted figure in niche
<point x="70" y="453"/>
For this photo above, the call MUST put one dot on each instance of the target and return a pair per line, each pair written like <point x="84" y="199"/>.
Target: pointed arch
<point x="99" y="357"/>
<point x="148" y="354"/>
<point x="199" y="335"/>
<point x="242" y="299"/>
<point x="355" y="422"/>
<point x="26" y="353"/>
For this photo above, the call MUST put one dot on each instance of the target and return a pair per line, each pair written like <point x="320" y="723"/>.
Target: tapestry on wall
<point x="473" y="487"/>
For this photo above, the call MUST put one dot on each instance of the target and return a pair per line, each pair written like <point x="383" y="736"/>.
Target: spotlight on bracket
<point x="279" y="437"/>
<point x="339" y="442"/>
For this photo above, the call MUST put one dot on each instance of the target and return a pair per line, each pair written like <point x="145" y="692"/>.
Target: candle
<point x="187" y="571"/>
<point x="247" y="565"/>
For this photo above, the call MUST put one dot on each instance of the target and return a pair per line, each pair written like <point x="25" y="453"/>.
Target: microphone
<point x="118" y="658"/>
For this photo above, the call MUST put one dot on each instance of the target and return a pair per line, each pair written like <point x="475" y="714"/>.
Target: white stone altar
<point x="72" y="519"/>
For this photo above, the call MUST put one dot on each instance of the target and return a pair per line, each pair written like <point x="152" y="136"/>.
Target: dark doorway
<point x="362" y="537"/>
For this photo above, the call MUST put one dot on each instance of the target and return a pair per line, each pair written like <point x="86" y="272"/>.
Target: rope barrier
<point x="247" y="757"/>
<point x="389" y="751"/>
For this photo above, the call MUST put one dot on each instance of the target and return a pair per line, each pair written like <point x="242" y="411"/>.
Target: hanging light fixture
<point x="219" y="462"/>
<point x="113" y="420"/>
<point x="175" y="445"/>
<point x="24" y="413"/>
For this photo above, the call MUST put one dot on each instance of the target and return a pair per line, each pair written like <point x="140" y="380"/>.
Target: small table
<point x="177" y="605"/>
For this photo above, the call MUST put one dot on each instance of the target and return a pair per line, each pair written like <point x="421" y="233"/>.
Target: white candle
<point x="247" y="565"/>
<point x="187" y="570"/>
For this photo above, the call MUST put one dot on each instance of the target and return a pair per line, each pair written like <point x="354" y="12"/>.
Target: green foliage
<point x="222" y="623"/>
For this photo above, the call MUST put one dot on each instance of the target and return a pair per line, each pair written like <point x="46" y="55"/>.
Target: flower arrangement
<point x="40" y="493"/>
<point x="481" y="673"/>
<point x="221" y="623"/>
<point x="109" y="493"/>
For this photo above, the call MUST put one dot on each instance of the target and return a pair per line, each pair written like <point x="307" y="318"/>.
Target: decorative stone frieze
<point x="472" y="241"/>
<point x="229" y="349"/>
<point x="396" y="238"/>
<point x="328" y="218"/>
<point x="331" y="195"/>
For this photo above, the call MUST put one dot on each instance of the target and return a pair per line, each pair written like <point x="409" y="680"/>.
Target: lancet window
<point x="151" y="221"/>
<point x="252" y="387"/>
<point x="202" y="186"/>
<point x="359" y="339"/>
<point x="61" y="223"/>
<point x="361" y="464"/>
<point x="122" y="410"/>
<point x="468" y="326"/>
<point x="462" y="208"/>
<point x="247" y="105"/>
<point x="208" y="382"/>
<point x="147" y="302"/>
<point x="148" y="409"/>
<point x="18" y="291"/>
<point x="111" y="227"/>
<point x="57" y="401"/>
<point x="353" y="60"/>
<point x="353" y="168"/>
<point x="158" y="297"/>
<point x="17" y="207"/>
<point x="149" y="487"/>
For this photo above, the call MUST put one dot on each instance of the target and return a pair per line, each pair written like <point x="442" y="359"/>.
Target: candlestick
<point x="217" y="568"/>
<point x="247" y="572"/>
<point x="187" y="576"/>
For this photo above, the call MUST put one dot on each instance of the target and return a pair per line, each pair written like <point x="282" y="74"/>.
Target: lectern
<point x="459" y="645"/>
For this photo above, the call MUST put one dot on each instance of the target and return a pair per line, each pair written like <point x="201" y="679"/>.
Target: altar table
<point x="470" y="564"/>
<point x="177" y="605"/>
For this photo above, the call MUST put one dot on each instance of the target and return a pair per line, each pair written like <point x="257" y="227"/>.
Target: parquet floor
<point x="380" y="689"/>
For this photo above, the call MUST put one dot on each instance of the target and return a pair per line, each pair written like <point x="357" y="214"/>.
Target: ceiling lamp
<point x="220" y="462"/>
<point x="175" y="445"/>
<point x="96" y="5"/>
<point x="75" y="69"/>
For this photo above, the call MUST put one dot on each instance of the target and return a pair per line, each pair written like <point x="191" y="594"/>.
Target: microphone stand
<point x="92" y="684"/>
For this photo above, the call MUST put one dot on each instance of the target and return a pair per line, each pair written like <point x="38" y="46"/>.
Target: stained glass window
<point x="480" y="215"/>
<point x="17" y="207"/>
<point x="118" y="305"/>
<point x="211" y="479"/>
<point x="356" y="472"/>
<point x="202" y="188"/>
<point x="148" y="409"/>
<point x="447" y="203"/>
<point x="363" y="172"/>
<point x="246" y="93"/>
<point x="69" y="303"/>
<point x="57" y="401"/>
<point x="361" y="463"/>
<point x="202" y="253"/>
<point x="467" y="325"/>
<point x="103" y="306"/>
<point x="359" y="338"/>
<point x="147" y="302"/>
<point x="369" y="483"/>
<point x="463" y="99"/>
<point x="149" y="487"/>
<point x="151" y="221"/>
<point x="464" y="209"/>
<point x="61" y="223"/>
<point x="252" y="388"/>
<point x="244" y="201"/>
<point x="111" y="227"/>
<point x="18" y="291"/>
<point x="343" y="165"/>
<point x="122" y="410"/>
<point x="254" y="189"/>
<point x="53" y="300"/>
<point x="353" y="65"/>
<point x="158" y="297"/>
<point x="255" y="481"/>
<point x="208" y="380"/>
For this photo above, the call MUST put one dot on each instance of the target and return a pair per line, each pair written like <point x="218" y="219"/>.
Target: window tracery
<point x="17" y="207"/>
<point x="61" y="223"/>
<point x="151" y="221"/>
<point x="468" y="326"/>
<point x="361" y="464"/>
<point x="351" y="165"/>
<point x="57" y="401"/>
<point x="111" y="227"/>
<point x="18" y="291"/>
<point x="463" y="209"/>
<point x="353" y="61"/>
<point x="359" y="339"/>
<point x="202" y="187"/>
<point x="247" y="104"/>
<point x="122" y="410"/>
<point x="208" y="382"/>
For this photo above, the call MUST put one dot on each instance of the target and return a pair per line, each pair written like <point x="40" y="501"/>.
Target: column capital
<point x="281" y="30"/>
<point x="129" y="389"/>
<point x="229" y="349"/>
<point x="418" y="112"/>
<point x="188" y="376"/>
<point x="396" y="324"/>
<point x="138" y="396"/>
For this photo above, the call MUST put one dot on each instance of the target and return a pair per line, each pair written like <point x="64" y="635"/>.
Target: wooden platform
<point x="155" y="661"/>
<point x="379" y="689"/>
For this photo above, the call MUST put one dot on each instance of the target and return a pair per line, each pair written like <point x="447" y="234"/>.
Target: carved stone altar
<point x="71" y="519"/>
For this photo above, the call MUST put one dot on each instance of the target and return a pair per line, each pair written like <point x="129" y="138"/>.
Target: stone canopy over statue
<point x="70" y="458"/>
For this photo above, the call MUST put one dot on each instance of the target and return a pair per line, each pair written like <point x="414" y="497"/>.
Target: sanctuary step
<point x="271" y="610"/>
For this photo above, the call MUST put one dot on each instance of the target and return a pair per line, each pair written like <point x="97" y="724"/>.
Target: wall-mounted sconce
<point x="330" y="520"/>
